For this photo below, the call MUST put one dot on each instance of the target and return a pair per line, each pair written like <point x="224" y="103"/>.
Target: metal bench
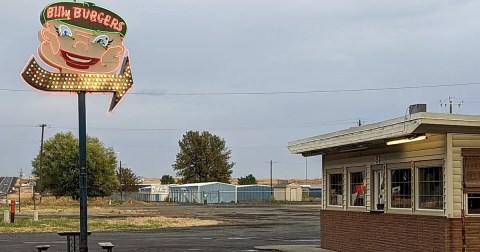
<point x="43" y="247"/>
<point x="106" y="245"/>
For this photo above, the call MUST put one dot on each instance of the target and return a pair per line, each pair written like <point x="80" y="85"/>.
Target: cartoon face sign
<point x="81" y="38"/>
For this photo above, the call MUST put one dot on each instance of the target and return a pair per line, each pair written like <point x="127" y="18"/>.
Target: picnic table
<point x="73" y="240"/>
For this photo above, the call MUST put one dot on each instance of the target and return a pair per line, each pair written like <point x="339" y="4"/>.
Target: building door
<point x="378" y="189"/>
<point x="293" y="194"/>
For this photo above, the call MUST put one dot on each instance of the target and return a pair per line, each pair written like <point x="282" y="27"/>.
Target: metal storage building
<point x="208" y="192"/>
<point x="315" y="192"/>
<point x="253" y="193"/>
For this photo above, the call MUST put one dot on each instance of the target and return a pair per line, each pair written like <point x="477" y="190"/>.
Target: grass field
<point x="43" y="225"/>
<point x="61" y="214"/>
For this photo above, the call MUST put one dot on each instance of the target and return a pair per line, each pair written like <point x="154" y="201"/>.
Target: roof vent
<point x="416" y="108"/>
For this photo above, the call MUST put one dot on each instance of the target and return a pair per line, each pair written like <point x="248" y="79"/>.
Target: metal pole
<point x="41" y="167"/>
<point x="121" y="178"/>
<point x="19" y="186"/>
<point x="271" y="179"/>
<point x="450" y="101"/>
<point x="306" y="170"/>
<point x="82" y="143"/>
<point x="33" y="198"/>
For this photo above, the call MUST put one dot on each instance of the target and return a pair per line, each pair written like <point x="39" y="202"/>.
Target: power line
<point x="18" y="125"/>
<point x="176" y="146"/>
<point x="268" y="127"/>
<point x="308" y="91"/>
<point x="18" y="142"/>
<point x="154" y="93"/>
<point x="14" y="90"/>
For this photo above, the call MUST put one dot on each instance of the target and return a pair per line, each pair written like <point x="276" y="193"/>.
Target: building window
<point x="357" y="189"/>
<point x="471" y="179"/>
<point x="430" y="188"/>
<point x="401" y="186"/>
<point x="335" y="190"/>
<point x="473" y="202"/>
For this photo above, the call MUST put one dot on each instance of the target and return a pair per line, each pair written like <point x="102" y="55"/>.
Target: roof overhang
<point x="361" y="137"/>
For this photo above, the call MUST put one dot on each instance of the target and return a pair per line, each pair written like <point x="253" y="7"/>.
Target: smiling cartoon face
<point x="81" y="39"/>
<point x="73" y="49"/>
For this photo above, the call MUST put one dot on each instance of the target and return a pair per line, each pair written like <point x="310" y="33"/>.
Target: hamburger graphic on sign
<point x="85" y="44"/>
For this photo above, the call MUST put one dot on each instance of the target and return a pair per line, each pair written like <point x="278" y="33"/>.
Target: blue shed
<point x="315" y="192"/>
<point x="253" y="193"/>
<point x="208" y="192"/>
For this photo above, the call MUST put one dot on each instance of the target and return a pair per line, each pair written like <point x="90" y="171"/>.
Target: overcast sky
<point x="189" y="58"/>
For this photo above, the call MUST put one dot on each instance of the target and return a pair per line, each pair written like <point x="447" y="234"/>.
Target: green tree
<point x="247" y="180"/>
<point x="167" y="179"/>
<point x="60" y="171"/>
<point x="128" y="180"/>
<point x="203" y="157"/>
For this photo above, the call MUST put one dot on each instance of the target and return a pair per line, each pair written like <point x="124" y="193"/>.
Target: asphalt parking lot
<point x="247" y="226"/>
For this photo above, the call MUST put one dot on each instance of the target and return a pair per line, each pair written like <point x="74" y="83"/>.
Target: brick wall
<point x="363" y="231"/>
<point x="454" y="234"/>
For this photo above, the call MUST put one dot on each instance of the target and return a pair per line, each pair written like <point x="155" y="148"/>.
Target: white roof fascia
<point x="388" y="129"/>
<point x="450" y="119"/>
<point x="394" y="128"/>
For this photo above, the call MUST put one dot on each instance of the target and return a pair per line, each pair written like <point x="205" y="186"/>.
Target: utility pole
<point x="121" y="178"/>
<point x="450" y="102"/>
<point x="19" y="186"/>
<point x="271" y="178"/>
<point x="306" y="170"/>
<point x="41" y="163"/>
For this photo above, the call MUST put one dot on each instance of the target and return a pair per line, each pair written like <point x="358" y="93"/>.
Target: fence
<point x="147" y="197"/>
<point x="213" y="197"/>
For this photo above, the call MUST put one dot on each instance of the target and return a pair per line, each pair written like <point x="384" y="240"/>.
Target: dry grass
<point x="65" y="205"/>
<point x="96" y="225"/>
<point x="61" y="214"/>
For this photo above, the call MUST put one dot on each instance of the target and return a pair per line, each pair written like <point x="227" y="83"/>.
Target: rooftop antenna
<point x="450" y="102"/>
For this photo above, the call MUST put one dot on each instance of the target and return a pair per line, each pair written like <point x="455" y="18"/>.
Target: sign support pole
<point x="82" y="142"/>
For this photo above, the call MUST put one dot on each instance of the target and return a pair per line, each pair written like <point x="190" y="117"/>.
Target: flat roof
<point x="418" y="123"/>
<point x="252" y="185"/>
<point x="198" y="184"/>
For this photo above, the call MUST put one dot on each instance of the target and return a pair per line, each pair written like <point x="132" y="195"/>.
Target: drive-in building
<point x="406" y="184"/>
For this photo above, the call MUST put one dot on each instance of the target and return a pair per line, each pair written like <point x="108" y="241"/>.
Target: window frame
<point x="470" y="158"/>
<point x="351" y="170"/>
<point x="335" y="172"/>
<point x="417" y="195"/>
<point x="389" y="194"/>
<point x="466" y="205"/>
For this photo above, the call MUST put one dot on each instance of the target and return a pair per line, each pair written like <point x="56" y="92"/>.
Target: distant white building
<point x="154" y="192"/>
<point x="155" y="189"/>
